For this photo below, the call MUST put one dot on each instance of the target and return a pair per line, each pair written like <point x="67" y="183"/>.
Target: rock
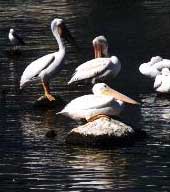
<point x="103" y="132"/>
<point x="43" y="102"/>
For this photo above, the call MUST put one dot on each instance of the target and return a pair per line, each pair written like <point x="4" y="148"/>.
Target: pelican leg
<point x="47" y="91"/>
<point x="97" y="117"/>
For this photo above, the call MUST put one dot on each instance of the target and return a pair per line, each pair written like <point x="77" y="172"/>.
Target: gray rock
<point x="103" y="132"/>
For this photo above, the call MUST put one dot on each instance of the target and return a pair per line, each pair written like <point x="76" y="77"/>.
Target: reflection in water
<point x="36" y="124"/>
<point x="136" y="31"/>
<point x="98" y="170"/>
<point x="155" y="112"/>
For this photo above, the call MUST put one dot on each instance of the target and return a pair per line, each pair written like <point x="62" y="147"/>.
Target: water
<point x="29" y="161"/>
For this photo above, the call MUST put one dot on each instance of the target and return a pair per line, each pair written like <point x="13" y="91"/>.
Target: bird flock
<point x="157" y="69"/>
<point x="104" y="100"/>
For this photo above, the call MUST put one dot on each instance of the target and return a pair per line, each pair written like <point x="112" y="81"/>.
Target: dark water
<point x="29" y="161"/>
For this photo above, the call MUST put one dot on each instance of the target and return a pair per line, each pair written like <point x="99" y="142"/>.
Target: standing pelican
<point x="154" y="67"/>
<point x="46" y="67"/>
<point x="103" y="101"/>
<point x="98" y="68"/>
<point x="162" y="81"/>
<point x="15" y="39"/>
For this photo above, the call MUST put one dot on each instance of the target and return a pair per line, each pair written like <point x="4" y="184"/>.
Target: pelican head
<point x="99" y="88"/>
<point x="165" y="71"/>
<point x="100" y="46"/>
<point x="58" y="27"/>
<point x="105" y="90"/>
<point x="11" y="31"/>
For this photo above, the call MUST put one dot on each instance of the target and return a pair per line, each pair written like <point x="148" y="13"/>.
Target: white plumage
<point x="40" y="68"/>
<point x="99" y="68"/>
<point x="162" y="81"/>
<point x="104" y="100"/>
<point x="154" y="67"/>
<point x="102" y="67"/>
<point x="44" y="68"/>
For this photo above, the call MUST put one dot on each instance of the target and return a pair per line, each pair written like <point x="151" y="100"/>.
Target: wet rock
<point x="103" y="132"/>
<point x="43" y="102"/>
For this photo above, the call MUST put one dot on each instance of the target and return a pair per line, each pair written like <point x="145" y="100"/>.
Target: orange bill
<point x="97" y="50"/>
<point x="119" y="96"/>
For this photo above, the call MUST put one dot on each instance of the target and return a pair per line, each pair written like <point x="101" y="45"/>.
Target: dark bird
<point x="15" y="39"/>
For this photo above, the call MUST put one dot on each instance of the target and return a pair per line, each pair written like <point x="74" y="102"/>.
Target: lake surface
<point x="29" y="161"/>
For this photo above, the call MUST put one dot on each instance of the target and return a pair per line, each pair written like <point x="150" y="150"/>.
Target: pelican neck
<point x="59" y="41"/>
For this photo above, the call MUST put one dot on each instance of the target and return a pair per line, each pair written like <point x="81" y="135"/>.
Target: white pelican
<point x="103" y="101"/>
<point x="15" y="39"/>
<point x="162" y="81"/>
<point x="44" y="68"/>
<point x="98" y="68"/>
<point x="154" y="67"/>
<point x="100" y="46"/>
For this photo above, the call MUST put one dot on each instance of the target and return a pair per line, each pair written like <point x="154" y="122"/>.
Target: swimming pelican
<point x="154" y="67"/>
<point x="103" y="101"/>
<point x="46" y="67"/>
<point x="162" y="81"/>
<point x="98" y="68"/>
<point x="15" y="39"/>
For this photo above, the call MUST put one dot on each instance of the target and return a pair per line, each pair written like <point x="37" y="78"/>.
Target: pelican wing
<point x="88" y="102"/>
<point x="162" y="64"/>
<point x="90" y="69"/>
<point x="158" y="81"/>
<point x="93" y="63"/>
<point x="34" y="68"/>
